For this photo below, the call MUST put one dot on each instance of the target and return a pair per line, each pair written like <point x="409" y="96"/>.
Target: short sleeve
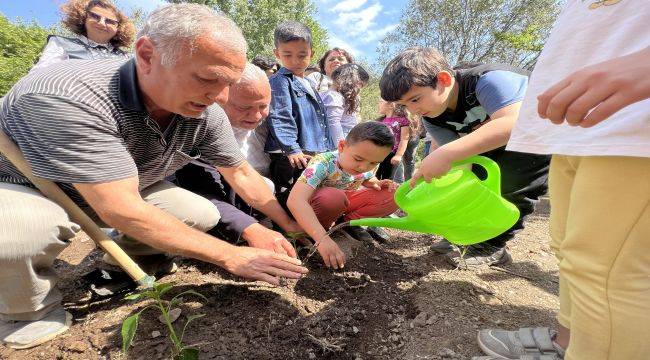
<point x="316" y="171"/>
<point x="68" y="141"/>
<point x="498" y="89"/>
<point x="219" y="147"/>
<point x="52" y="53"/>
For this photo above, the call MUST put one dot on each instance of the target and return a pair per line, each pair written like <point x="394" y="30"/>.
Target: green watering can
<point x="458" y="206"/>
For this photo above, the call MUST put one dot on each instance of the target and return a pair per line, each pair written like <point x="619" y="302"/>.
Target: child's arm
<point x="405" y="133"/>
<point x="493" y="134"/>
<point x="281" y="124"/>
<point x="596" y="92"/>
<point x="298" y="204"/>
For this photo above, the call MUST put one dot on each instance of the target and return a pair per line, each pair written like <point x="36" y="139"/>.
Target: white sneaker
<point x="27" y="334"/>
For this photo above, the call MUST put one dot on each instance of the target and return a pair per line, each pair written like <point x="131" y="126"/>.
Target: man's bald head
<point x="248" y="103"/>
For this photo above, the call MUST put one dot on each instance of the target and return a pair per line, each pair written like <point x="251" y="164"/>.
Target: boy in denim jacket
<point x="297" y="122"/>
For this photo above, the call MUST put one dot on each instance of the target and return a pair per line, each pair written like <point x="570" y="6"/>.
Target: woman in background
<point x="332" y="59"/>
<point x="99" y="31"/>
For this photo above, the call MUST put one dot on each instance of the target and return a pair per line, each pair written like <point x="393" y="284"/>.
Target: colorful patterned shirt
<point x="323" y="170"/>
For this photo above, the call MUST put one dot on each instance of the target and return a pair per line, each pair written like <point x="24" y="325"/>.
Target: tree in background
<point x="20" y="45"/>
<point x="508" y="31"/>
<point x="258" y="19"/>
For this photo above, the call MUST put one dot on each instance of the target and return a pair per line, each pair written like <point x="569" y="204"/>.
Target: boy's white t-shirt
<point x="587" y="32"/>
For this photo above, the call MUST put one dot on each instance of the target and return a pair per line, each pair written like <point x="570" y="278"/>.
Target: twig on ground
<point x="517" y="274"/>
<point x="324" y="344"/>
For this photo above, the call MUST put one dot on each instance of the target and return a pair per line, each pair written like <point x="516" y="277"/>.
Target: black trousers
<point x="283" y="176"/>
<point x="386" y="170"/>
<point x="524" y="178"/>
<point x="236" y="214"/>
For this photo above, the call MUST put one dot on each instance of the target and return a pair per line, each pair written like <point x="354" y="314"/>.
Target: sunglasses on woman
<point x="98" y="18"/>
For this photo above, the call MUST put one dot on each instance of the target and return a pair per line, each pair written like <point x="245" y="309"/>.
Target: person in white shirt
<point x="342" y="100"/>
<point x="247" y="108"/>
<point x="596" y="123"/>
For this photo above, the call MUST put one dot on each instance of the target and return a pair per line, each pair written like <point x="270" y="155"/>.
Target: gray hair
<point x="291" y="31"/>
<point x="171" y="28"/>
<point x="251" y="75"/>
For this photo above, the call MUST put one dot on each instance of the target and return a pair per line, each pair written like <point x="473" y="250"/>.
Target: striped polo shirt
<point x="83" y="121"/>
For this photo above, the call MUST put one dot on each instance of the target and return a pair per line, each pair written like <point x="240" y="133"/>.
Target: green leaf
<point x="129" y="326"/>
<point x="189" y="319"/>
<point x="137" y="296"/>
<point x="151" y="294"/>
<point x="192" y="292"/>
<point x="188" y="354"/>
<point x="162" y="288"/>
<point x="295" y="235"/>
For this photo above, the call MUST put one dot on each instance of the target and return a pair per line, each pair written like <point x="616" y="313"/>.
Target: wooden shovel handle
<point x="54" y="193"/>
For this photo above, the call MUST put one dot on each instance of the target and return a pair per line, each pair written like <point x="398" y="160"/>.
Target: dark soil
<point x="393" y="301"/>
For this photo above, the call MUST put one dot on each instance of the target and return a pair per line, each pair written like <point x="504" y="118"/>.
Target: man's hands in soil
<point x="331" y="253"/>
<point x="258" y="236"/>
<point x="262" y="264"/>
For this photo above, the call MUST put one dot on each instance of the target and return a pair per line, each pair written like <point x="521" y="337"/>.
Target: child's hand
<point x="298" y="160"/>
<point x="596" y="92"/>
<point x="395" y="160"/>
<point x="332" y="255"/>
<point x="435" y="165"/>
<point x="387" y="184"/>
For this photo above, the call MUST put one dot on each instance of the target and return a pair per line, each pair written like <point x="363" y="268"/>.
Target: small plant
<point x="130" y="324"/>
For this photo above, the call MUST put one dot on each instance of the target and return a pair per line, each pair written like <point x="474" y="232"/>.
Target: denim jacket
<point x="297" y="120"/>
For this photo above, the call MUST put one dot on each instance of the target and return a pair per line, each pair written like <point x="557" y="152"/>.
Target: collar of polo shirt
<point x="129" y="95"/>
<point x="128" y="86"/>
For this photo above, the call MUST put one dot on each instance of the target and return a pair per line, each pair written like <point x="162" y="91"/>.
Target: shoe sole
<point x="68" y="322"/>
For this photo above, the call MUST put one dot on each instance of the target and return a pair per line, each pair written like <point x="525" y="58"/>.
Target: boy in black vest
<point x="469" y="111"/>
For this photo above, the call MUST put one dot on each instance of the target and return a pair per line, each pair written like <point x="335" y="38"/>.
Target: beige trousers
<point x="600" y="230"/>
<point x="34" y="230"/>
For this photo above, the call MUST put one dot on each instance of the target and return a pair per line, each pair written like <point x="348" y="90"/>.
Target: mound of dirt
<point x="392" y="301"/>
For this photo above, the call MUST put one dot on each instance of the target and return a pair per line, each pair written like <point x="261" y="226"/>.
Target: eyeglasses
<point x="98" y="18"/>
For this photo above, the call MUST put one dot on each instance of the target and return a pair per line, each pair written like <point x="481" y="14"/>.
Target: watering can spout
<point x="402" y="223"/>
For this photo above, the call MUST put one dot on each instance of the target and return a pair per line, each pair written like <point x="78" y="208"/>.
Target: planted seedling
<point x="130" y="324"/>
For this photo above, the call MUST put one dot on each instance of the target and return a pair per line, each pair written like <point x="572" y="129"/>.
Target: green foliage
<point x="130" y="324"/>
<point x="258" y="19"/>
<point x="509" y="31"/>
<point x="369" y="99"/>
<point x="20" y="45"/>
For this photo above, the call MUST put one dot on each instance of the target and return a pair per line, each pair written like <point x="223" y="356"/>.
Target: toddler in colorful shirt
<point x="342" y="183"/>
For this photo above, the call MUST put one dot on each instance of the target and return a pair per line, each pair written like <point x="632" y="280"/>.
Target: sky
<point x="355" y="25"/>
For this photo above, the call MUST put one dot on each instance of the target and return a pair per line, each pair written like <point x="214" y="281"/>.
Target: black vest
<point x="78" y="49"/>
<point x="466" y="116"/>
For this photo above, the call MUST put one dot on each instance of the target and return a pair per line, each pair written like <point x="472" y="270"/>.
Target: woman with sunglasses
<point x="99" y="31"/>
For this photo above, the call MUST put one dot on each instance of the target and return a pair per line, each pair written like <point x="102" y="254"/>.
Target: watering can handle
<point x="493" y="179"/>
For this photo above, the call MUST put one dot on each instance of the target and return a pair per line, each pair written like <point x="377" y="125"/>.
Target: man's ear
<point x="276" y="53"/>
<point x="144" y="52"/>
<point x="445" y="78"/>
